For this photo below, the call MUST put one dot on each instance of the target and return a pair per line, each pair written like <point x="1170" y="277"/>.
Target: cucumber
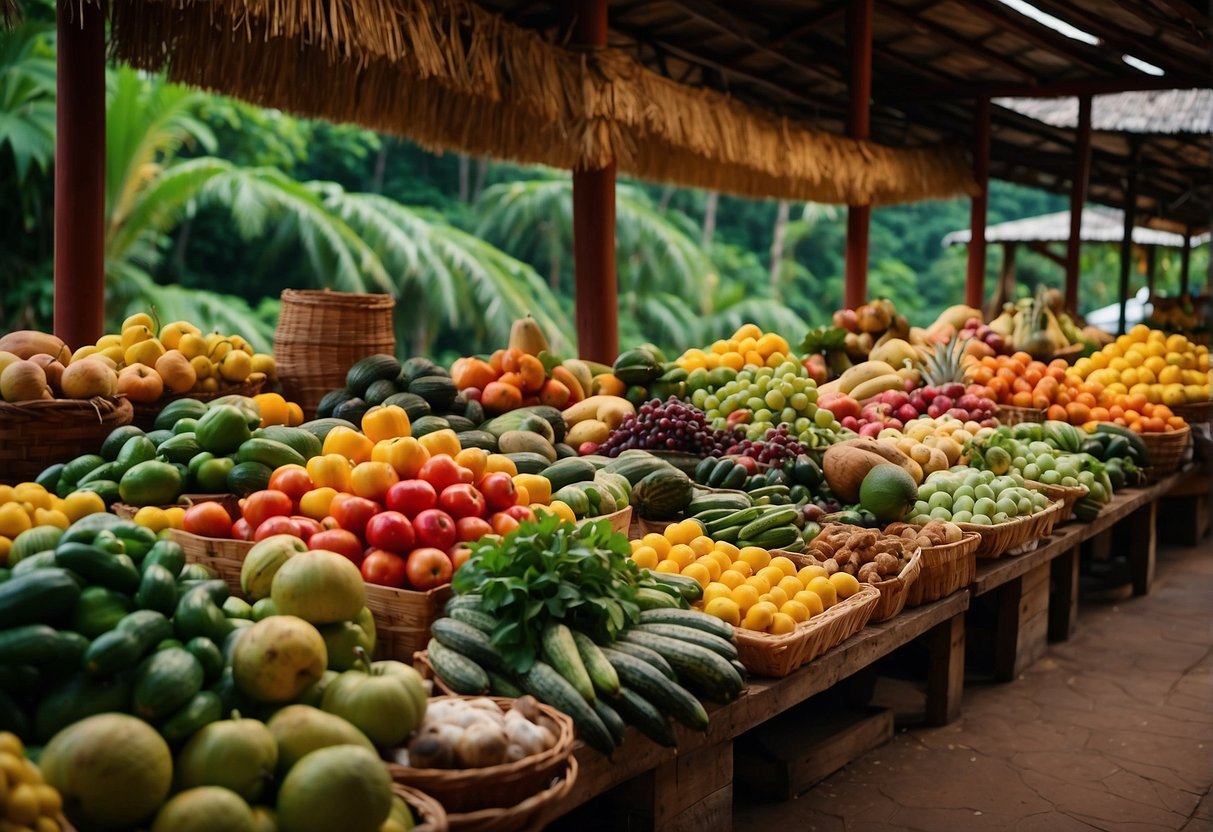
<point x="730" y="535"/>
<point x="457" y="672"/>
<point x="545" y="684"/>
<point x="769" y="520"/>
<point x="42" y="560"/>
<point x="568" y="471"/>
<point x="560" y="649"/>
<point x="77" y="698"/>
<point x="611" y="719"/>
<point x="164" y="683"/>
<point x="203" y="708"/>
<point x="166" y="553"/>
<point x="99" y="610"/>
<point x="689" y="618"/>
<point x="703" y="471"/>
<point x="652" y="599"/>
<point x="735" y="478"/>
<point x="116" y="572"/>
<point x="776" y="538"/>
<point x="688" y="588"/>
<point x="697" y="665"/>
<point x="456" y="602"/>
<point x="710" y="515"/>
<point x="737" y="518"/>
<point x="721" y="647"/>
<point x="720" y="471"/>
<point x="123" y="646"/>
<point x="467" y="641"/>
<point x="648" y="656"/>
<point x="482" y="621"/>
<point x="741" y="669"/>
<point x="664" y="693"/>
<point x="601" y="673"/>
<point x="157" y="590"/>
<point x="42" y="596"/>
<point x="32" y="644"/>
<point x="650" y="721"/>
<point x="529" y="463"/>
<point x="208" y="655"/>
<point x="501" y="686"/>
<point x="717" y="500"/>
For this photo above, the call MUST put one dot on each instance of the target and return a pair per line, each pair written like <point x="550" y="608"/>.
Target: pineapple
<point x="944" y="364"/>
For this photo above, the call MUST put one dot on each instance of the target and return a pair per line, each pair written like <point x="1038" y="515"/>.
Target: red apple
<point x="340" y="541"/>
<point x="498" y="489"/>
<point x="241" y="530"/>
<point x="850" y="423"/>
<point x="411" y="497"/>
<point x="385" y="569"/>
<point x="907" y="412"/>
<point x="353" y="513"/>
<point x="428" y="567"/>
<point x="390" y="530"/>
<point x="434" y="529"/>
<point x="307" y="526"/>
<point x="520" y="513"/>
<point x="953" y="389"/>
<point x="468" y="529"/>
<point x="441" y="470"/>
<point x="277" y="525"/>
<point x="472" y="394"/>
<point x="943" y="402"/>
<point x="871" y="429"/>
<point x="462" y="500"/>
<point x="587" y="448"/>
<point x="896" y="398"/>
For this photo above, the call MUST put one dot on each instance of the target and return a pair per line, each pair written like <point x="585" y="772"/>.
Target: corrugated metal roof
<point x="1162" y="111"/>
<point x="1099" y="225"/>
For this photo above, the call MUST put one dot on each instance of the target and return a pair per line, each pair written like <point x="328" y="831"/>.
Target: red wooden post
<point x="597" y="295"/>
<point x="80" y="174"/>
<point x="859" y="41"/>
<point x="1078" y="195"/>
<point x="975" y="280"/>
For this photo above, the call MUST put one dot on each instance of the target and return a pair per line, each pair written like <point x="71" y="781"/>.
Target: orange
<point x="759" y="583"/>
<point x="658" y="542"/>
<point x="711" y="565"/>
<point x="645" y="557"/>
<point x="681" y="554"/>
<point x="701" y="545"/>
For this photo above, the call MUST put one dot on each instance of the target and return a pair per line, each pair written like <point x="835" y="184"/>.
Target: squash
<point x="845" y="467"/>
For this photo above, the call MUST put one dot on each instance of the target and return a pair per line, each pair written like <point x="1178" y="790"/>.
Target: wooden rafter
<point x="916" y="20"/>
<point x="1066" y="48"/>
<point x="807" y="25"/>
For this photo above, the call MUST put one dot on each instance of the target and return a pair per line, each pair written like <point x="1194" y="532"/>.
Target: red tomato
<point x="353" y="513"/>
<point x="468" y="529"/>
<point x="262" y="505"/>
<point x="384" y="568"/>
<point x="307" y="526"/>
<point x="208" y="519"/>
<point x="291" y="480"/>
<point x="340" y="541"/>
<point x="435" y="529"/>
<point x="428" y="567"/>
<point x="461" y="500"/>
<point x="411" y="497"/>
<point x="277" y="525"/>
<point x="390" y="530"/>
<point x="498" y="489"/>
<point x="520" y="513"/>
<point x="442" y="471"/>
<point x="503" y="523"/>
<point x="241" y="530"/>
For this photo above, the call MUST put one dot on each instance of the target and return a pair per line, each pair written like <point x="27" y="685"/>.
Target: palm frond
<point x="27" y="97"/>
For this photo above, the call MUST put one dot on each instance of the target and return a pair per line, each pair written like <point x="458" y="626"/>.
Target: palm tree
<point x="27" y="97"/>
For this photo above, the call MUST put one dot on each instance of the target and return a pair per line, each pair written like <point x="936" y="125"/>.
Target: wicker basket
<point x="40" y="433"/>
<point x="403" y="618"/>
<point x="1068" y="494"/>
<point x="1008" y="415"/>
<point x="225" y="557"/>
<point x="768" y="655"/>
<point x="944" y="570"/>
<point x="1195" y="413"/>
<point x="492" y="787"/>
<point x="535" y="812"/>
<point x="428" y="814"/>
<point x="999" y="539"/>
<point x="621" y="521"/>
<point x="895" y="591"/>
<point x="1166" y="450"/>
<point x="145" y="414"/>
<point x="321" y="333"/>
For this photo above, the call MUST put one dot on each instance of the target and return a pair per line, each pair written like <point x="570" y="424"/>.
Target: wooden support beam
<point x="946" y="672"/>
<point x="859" y="123"/>
<point x="1126" y="242"/>
<point x="1067" y="49"/>
<point x="809" y="24"/>
<point x="915" y="20"/>
<point x="1042" y="248"/>
<point x="975" y="278"/>
<point x="1151" y="266"/>
<point x="1135" y="539"/>
<point x="80" y="174"/>
<point x="1185" y="262"/>
<point x="1078" y="195"/>
<point x="1063" y="602"/>
<point x="597" y="296"/>
<point x="1046" y="88"/>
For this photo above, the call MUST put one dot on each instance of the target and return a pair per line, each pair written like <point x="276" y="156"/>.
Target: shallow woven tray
<point x="428" y="814"/>
<point x="895" y="591"/>
<point x="145" y="414"/>
<point x="535" y="812"/>
<point x="944" y="570"/>
<point x="1166" y="450"/>
<point x="1194" y="413"/>
<point x="999" y="539"/>
<point x="38" y="434"/>
<point x="621" y="521"/>
<point x="493" y="787"/>
<point x="768" y="655"/>
<point x="224" y="556"/>
<point x="1008" y="415"/>
<point x="1068" y="494"/>
<point x="230" y="502"/>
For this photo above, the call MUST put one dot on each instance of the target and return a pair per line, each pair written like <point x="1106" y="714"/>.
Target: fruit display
<point x="869" y="325"/>
<point x="29" y="514"/>
<point x="1018" y="380"/>
<point x="962" y="495"/>
<point x="1147" y="365"/>
<point x="591" y="420"/>
<point x="29" y="801"/>
<point x="792" y="480"/>
<point x="561" y="613"/>
<point x="477" y="733"/>
<point x="667" y="426"/>
<point x="749" y="346"/>
<point x="869" y="555"/>
<point x="759" y="399"/>
<point x="1040" y="326"/>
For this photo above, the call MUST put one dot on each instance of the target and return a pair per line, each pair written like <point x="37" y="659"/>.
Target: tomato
<point x="411" y="497"/>
<point x="262" y="505"/>
<point x="461" y="500"/>
<point x="428" y="567"/>
<point x="241" y="530"/>
<point x="468" y="529"/>
<point x="291" y="480"/>
<point x="353" y="513"/>
<point x="308" y="526"/>
<point x="390" y="530"/>
<point x="520" y="513"/>
<point x="441" y="471"/>
<point x="277" y="525"/>
<point x="383" y="568"/>
<point x="502" y="523"/>
<point x="499" y="491"/>
<point x="208" y="519"/>
<point x="340" y="541"/>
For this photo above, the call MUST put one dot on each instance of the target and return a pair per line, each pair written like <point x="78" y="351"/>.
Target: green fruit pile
<point x="962" y="495"/>
<point x="772" y="396"/>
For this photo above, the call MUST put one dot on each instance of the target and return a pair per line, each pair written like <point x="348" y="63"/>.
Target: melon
<point x="302" y="729"/>
<point x="112" y="770"/>
<point x="319" y="587"/>
<point x="278" y="658"/>
<point x="888" y="492"/>
<point x="205" y="809"/>
<point x="343" y="787"/>
<point x="237" y="754"/>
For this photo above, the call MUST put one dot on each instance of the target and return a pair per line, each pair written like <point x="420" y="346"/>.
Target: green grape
<point x="801" y="425"/>
<point x="788" y="415"/>
<point x="775" y="400"/>
<point x="710" y="402"/>
<point x="762" y="415"/>
<point x="699" y="397"/>
<point x="799" y="401"/>
<point x="755" y="403"/>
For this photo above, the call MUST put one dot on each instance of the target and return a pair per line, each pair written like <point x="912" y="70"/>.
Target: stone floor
<point x="1112" y="730"/>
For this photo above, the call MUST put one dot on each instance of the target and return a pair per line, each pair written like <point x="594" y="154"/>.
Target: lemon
<point x="176" y="517"/>
<point x="34" y="494"/>
<point x="784" y="564"/>
<point x="721" y="558"/>
<point x="716" y="590"/>
<point x="645" y="557"/>
<point x="797" y="611"/>
<point x="755" y="556"/>
<point x="659" y="543"/>
<point x="781" y="623"/>
<point x="51" y="517"/>
<point x="682" y="554"/>
<point x="759" y="616"/>
<point x="844" y="585"/>
<point x="13" y="520"/>
<point x="726" y="609"/>
<point x="81" y="504"/>
<point x="731" y="578"/>
<point x="711" y="565"/>
<point x="742" y="567"/>
<point x="771" y="574"/>
<point x="727" y="549"/>
<point x="152" y="517"/>
<point x="668" y="566"/>
<point x="759" y="583"/>
<point x="808" y="573"/>
<point x="790" y="584"/>
<point x="825" y="590"/>
<point x="745" y="596"/>
<point x="701" y="545"/>
<point x="683" y="532"/>
<point x="699" y="572"/>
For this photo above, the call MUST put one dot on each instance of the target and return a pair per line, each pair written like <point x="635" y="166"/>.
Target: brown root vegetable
<point x="483" y="744"/>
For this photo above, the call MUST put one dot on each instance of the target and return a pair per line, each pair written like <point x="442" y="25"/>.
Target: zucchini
<point x="769" y="520"/>
<point x="689" y="618"/>
<point x="560" y="650"/>
<point x="32" y="644"/>
<point x="688" y="588"/>
<point x="650" y="721"/>
<point x="42" y="596"/>
<point x="124" y="645"/>
<point x="664" y="693"/>
<point x="648" y="656"/>
<point x="697" y="665"/>
<point x="482" y="621"/>
<point x="776" y="538"/>
<point x="652" y="599"/>
<point x="545" y="684"/>
<point x="157" y="590"/>
<point x="164" y="683"/>
<point x="456" y="671"/>
<point x="719" y="472"/>
<point x="721" y="647"/>
<point x="601" y="673"/>
<point x="203" y="708"/>
<point x="456" y="602"/>
<point x="467" y="641"/>
<point x="738" y="518"/>
<point x="611" y="719"/>
<point x="568" y="471"/>
<point x="501" y="686"/>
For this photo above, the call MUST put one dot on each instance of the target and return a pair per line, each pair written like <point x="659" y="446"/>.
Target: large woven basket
<point x="145" y="414"/>
<point x="895" y="591"/>
<point x="493" y="787"/>
<point x="1166" y="450"/>
<point x="225" y="557"/>
<point x="37" y="434"/>
<point x="770" y="655"/>
<point x="403" y="618"/>
<point x="428" y="814"/>
<point x="1008" y="415"/>
<point x="944" y="570"/>
<point x="534" y="813"/>
<point x="999" y="539"/>
<point x="321" y="333"/>
<point x="1194" y="413"/>
<point x="230" y="503"/>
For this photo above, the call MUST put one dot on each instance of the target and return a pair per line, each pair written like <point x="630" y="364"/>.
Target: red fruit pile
<point x="894" y="408"/>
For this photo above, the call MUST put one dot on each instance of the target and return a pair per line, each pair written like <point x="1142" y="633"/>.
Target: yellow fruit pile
<point x="1165" y="369"/>
<point x="28" y="802"/>
<point x="28" y="505"/>
<point x="746" y="587"/>
<point x="275" y="410"/>
<point x="749" y="345"/>
<point x="158" y="519"/>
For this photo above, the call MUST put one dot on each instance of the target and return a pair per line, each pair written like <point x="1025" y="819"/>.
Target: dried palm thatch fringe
<point x="451" y="74"/>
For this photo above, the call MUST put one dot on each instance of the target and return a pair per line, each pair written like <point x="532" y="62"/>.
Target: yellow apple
<point x="140" y="383"/>
<point x="170" y="334"/>
<point x="135" y="334"/>
<point x="144" y="352"/>
<point x="236" y="366"/>
<point x="264" y="363"/>
<point x="193" y="345"/>
<point x="139" y="319"/>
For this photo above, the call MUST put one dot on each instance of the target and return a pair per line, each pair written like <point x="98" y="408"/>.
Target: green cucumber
<point x="482" y="621"/>
<point x="725" y="649"/>
<point x="737" y="518"/>
<point x="647" y="656"/>
<point x="769" y="520"/>
<point x="457" y="672"/>
<point x="33" y="644"/>
<point x="545" y="684"/>
<point x="208" y="656"/>
<point x="652" y="599"/>
<point x="165" y="682"/>
<point x="123" y="646"/>
<point x="651" y="722"/>
<point x="157" y="590"/>
<point x="203" y="708"/>
<point x="729" y="535"/>
<point x="697" y="665"/>
<point x="600" y="671"/>
<point x="667" y="695"/>
<point x="689" y="618"/>
<point x="703" y="501"/>
<point x="77" y="698"/>
<point x="560" y="649"/>
<point x="501" y="686"/>
<point x="467" y="641"/>
<point x="99" y="610"/>
<point x="708" y="516"/>
<point x="777" y="538"/>
<point x="611" y="719"/>
<point x="116" y="572"/>
<point x="42" y="596"/>
<point x="688" y="588"/>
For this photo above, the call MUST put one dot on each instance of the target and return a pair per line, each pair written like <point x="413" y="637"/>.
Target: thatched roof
<point x="1099" y="225"/>
<point x="1157" y="111"/>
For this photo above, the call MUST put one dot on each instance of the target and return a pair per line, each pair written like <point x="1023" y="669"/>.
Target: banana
<point x="875" y="386"/>
<point x="861" y="373"/>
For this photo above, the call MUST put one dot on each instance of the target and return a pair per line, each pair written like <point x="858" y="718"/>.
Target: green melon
<point x="205" y="809"/>
<point x="888" y="492"/>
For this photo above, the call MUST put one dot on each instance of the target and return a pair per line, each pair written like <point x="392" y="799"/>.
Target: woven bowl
<point x="38" y="434"/>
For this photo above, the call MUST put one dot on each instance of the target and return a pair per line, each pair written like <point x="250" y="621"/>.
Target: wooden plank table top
<point x="762" y="700"/>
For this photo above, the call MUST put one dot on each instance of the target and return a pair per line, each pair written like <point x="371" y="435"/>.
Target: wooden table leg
<point x="692" y="792"/>
<point x="946" y="673"/>
<point x="1135" y="539"/>
<point x="1063" y="604"/>
<point x="1023" y="620"/>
